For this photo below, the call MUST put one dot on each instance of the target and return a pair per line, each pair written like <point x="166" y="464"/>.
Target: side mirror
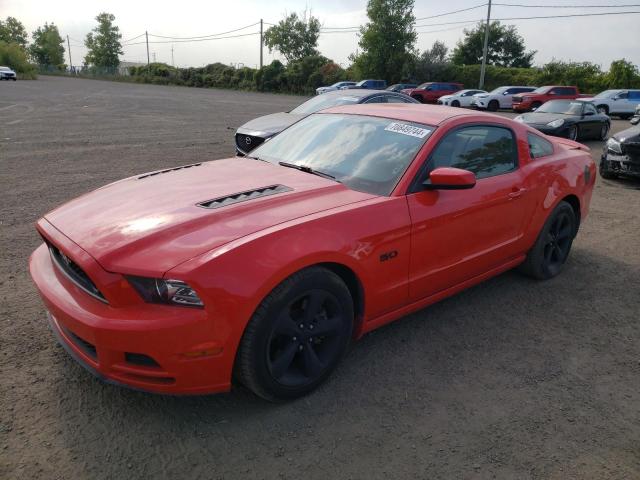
<point x="449" y="178"/>
<point x="506" y="93"/>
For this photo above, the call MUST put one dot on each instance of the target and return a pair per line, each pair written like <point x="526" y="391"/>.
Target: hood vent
<point x="244" y="196"/>
<point x="158" y="172"/>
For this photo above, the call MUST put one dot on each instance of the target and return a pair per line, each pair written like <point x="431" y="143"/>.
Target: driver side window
<point x="484" y="150"/>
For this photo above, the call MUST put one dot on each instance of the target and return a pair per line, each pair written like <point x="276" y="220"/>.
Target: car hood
<point x="270" y="124"/>
<point x="629" y="135"/>
<point x="148" y="224"/>
<point x="544" y="118"/>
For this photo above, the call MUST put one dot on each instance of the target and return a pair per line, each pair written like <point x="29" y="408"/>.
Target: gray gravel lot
<point x="510" y="379"/>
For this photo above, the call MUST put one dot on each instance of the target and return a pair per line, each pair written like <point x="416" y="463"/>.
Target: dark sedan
<point x="621" y="154"/>
<point x="398" y="87"/>
<point x="571" y="119"/>
<point x="256" y="131"/>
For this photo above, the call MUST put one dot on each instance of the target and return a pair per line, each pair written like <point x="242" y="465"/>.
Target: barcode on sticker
<point x="405" y="129"/>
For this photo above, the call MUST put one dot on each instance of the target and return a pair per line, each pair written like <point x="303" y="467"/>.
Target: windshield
<point x="367" y="154"/>
<point x="541" y="90"/>
<point x="561" y="107"/>
<point x="325" y="101"/>
<point x="607" y="94"/>
<point x="499" y="90"/>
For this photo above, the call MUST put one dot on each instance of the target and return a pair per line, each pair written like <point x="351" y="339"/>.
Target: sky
<point x="594" y="39"/>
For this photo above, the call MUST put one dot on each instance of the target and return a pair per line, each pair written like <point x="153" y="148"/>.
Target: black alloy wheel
<point x="551" y="250"/>
<point x="297" y="336"/>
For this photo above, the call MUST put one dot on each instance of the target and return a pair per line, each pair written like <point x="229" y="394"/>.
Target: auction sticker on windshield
<point x="410" y="130"/>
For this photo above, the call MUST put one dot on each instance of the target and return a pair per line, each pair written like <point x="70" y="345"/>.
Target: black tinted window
<point x="394" y="99"/>
<point x="376" y="99"/>
<point x="483" y="150"/>
<point x="538" y="146"/>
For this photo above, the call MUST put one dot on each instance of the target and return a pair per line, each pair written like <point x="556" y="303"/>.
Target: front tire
<point x="551" y="250"/>
<point x="297" y="336"/>
<point x="493" y="106"/>
<point x="455" y="103"/>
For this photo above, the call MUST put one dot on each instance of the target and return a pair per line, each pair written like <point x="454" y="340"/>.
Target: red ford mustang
<point x="264" y="268"/>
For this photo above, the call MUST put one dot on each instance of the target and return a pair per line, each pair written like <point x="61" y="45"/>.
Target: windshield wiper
<point x="306" y="169"/>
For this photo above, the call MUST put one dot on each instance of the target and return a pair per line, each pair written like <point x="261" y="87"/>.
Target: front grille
<point x="74" y="273"/>
<point x="246" y="143"/>
<point x="244" y="196"/>
<point x="631" y="149"/>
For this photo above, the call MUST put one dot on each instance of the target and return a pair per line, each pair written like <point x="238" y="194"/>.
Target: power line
<point x="134" y="38"/>
<point x="195" y="40"/>
<point x="565" y="6"/>
<point x="451" y="13"/>
<point x="572" y="15"/>
<point x="205" y="36"/>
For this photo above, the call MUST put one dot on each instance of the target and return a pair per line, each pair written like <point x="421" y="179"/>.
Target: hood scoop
<point x="244" y="196"/>
<point x="167" y="170"/>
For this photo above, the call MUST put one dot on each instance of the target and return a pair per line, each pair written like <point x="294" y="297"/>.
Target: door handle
<point x="517" y="193"/>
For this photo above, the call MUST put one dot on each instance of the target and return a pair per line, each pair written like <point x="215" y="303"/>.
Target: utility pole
<point x="70" y="61"/>
<point x="486" y="47"/>
<point x="154" y="57"/>
<point x="261" y="43"/>
<point x="172" y="62"/>
<point x="146" y="34"/>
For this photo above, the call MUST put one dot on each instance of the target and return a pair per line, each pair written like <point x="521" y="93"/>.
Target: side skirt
<point x="420" y="304"/>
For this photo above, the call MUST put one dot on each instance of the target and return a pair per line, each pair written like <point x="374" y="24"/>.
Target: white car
<point x="461" y="98"/>
<point x="7" y="74"/>
<point x="335" y="86"/>
<point x="501" y="97"/>
<point x="621" y="103"/>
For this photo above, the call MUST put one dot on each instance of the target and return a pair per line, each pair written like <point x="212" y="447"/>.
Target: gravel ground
<point x="510" y="379"/>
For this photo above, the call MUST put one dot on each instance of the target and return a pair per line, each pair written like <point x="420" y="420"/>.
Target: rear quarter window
<point x="538" y="146"/>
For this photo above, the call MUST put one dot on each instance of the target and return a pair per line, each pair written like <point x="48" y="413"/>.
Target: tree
<point x="13" y="31"/>
<point x="47" y="47"/>
<point x="623" y="74"/>
<point x="294" y="37"/>
<point x="387" y="40"/>
<point x="506" y="47"/>
<point x="103" y="43"/>
<point x="432" y="64"/>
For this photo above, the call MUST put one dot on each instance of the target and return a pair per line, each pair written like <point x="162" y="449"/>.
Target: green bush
<point x="14" y="56"/>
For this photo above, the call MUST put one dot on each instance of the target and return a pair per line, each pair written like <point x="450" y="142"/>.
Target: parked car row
<point x="7" y="74"/>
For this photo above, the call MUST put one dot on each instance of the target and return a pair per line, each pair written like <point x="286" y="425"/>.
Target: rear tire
<point x="493" y="106"/>
<point x="297" y="335"/>
<point x="604" y="131"/>
<point x="551" y="250"/>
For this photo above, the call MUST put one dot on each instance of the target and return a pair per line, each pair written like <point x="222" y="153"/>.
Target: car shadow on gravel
<point x="510" y="349"/>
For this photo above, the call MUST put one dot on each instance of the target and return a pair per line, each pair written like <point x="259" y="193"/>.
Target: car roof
<point x="358" y="93"/>
<point x="408" y="112"/>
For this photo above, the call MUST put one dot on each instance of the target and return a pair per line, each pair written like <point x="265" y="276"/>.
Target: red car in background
<point x="532" y="100"/>
<point x="264" y="268"/>
<point x="430" y="92"/>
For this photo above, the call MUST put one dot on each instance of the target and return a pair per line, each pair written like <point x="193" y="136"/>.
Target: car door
<point x="590" y="122"/>
<point x="506" y="99"/>
<point x="459" y="234"/>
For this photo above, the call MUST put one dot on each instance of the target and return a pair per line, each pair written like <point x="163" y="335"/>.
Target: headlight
<point x="614" y="145"/>
<point x="519" y="118"/>
<point x="556" y="123"/>
<point x="168" y="292"/>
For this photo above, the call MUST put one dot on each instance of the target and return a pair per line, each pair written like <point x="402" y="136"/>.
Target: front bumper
<point x="620" y="164"/>
<point x="143" y="346"/>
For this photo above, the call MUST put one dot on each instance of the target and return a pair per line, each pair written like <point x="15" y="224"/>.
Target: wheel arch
<point x="356" y="289"/>
<point x="574" y="201"/>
